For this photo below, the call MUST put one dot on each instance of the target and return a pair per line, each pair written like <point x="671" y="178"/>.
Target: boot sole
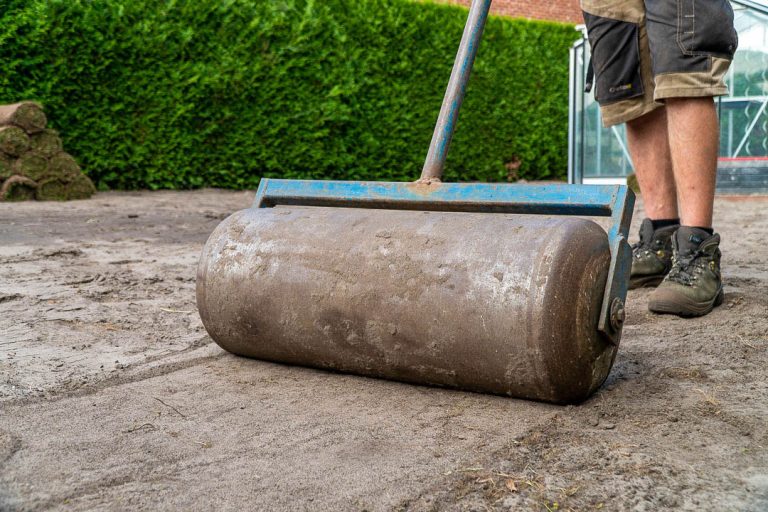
<point x="645" y="281"/>
<point x="686" y="308"/>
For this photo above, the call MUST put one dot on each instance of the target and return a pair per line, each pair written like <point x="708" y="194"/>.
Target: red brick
<point x="553" y="10"/>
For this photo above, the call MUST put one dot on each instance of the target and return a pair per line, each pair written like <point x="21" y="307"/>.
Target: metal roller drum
<point x="484" y="287"/>
<point x="498" y="303"/>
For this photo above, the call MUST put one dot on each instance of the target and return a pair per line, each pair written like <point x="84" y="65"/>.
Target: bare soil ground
<point x="112" y="396"/>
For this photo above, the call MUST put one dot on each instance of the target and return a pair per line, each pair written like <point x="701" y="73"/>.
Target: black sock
<point x="663" y="223"/>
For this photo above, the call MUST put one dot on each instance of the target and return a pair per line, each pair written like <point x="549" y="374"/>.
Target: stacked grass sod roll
<point x="46" y="142"/>
<point x="27" y="115"/>
<point x="33" y="163"/>
<point x="18" y="188"/>
<point x="13" y="141"/>
<point x="5" y="167"/>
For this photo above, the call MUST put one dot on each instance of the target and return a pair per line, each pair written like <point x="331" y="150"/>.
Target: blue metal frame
<point x="615" y="201"/>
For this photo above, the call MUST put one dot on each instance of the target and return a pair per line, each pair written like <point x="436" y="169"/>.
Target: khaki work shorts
<point x="645" y="51"/>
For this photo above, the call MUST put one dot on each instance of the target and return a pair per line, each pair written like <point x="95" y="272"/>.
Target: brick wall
<point x="553" y="10"/>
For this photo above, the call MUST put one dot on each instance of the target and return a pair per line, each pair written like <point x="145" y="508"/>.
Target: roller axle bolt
<point x="618" y="315"/>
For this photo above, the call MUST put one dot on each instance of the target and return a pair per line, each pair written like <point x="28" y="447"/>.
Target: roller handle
<point x="454" y="94"/>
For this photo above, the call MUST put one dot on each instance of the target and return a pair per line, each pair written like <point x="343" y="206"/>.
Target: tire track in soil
<point x="136" y="375"/>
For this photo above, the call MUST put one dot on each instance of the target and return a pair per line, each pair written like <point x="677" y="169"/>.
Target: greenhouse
<point x="600" y="155"/>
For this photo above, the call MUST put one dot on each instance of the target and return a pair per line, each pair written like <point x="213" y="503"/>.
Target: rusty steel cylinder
<point x="497" y="303"/>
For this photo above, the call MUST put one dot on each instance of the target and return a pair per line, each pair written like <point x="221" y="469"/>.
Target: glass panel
<point x="743" y="115"/>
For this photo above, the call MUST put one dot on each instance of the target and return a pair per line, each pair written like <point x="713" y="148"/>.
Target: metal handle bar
<point x="454" y="94"/>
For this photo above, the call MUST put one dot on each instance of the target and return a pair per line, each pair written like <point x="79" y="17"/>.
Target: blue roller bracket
<point x="429" y="193"/>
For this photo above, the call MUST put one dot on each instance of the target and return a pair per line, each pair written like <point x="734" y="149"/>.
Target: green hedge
<point x="191" y="93"/>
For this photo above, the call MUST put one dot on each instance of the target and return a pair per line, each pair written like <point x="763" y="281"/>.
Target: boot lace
<point x="686" y="269"/>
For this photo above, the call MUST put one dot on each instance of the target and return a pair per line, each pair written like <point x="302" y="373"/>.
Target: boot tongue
<point x="646" y="232"/>
<point x="689" y="239"/>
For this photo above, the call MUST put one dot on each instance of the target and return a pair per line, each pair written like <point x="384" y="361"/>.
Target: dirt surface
<point x="112" y="396"/>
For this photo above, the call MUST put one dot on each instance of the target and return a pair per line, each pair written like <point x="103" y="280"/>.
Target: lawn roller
<point x="496" y="288"/>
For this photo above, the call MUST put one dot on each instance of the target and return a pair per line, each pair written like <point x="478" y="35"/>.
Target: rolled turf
<point x="5" y="167"/>
<point x="46" y="142"/>
<point x="63" y="166"/>
<point x="81" y="187"/>
<point x="52" y="189"/>
<point x="27" y="115"/>
<point x="13" y="140"/>
<point x="18" y="188"/>
<point x="31" y="164"/>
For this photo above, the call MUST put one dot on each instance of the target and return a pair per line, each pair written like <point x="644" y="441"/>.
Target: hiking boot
<point x="652" y="255"/>
<point x="694" y="286"/>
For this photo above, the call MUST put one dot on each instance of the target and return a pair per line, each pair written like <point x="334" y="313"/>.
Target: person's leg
<point x="650" y="150"/>
<point x="624" y="87"/>
<point x="693" y="140"/>
<point x="693" y="286"/>
<point x="649" y="147"/>
<point x="692" y="45"/>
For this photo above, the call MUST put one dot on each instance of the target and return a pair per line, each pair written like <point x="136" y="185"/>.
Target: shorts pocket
<point x="615" y="46"/>
<point x="705" y="27"/>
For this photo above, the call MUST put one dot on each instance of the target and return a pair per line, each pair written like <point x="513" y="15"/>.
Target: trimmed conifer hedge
<point x="191" y="93"/>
